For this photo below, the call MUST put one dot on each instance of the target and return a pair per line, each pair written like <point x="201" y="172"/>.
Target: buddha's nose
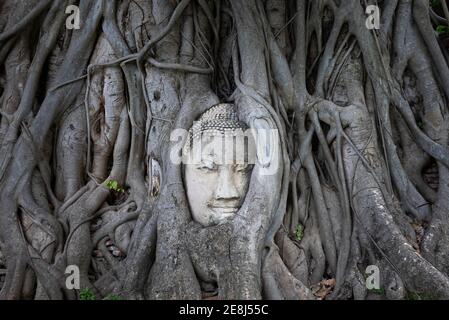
<point x="226" y="189"/>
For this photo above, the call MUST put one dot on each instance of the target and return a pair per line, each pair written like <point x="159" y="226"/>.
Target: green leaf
<point x="113" y="185"/>
<point x="299" y="232"/>
<point x="87" y="294"/>
<point x="442" y="29"/>
<point x="380" y="291"/>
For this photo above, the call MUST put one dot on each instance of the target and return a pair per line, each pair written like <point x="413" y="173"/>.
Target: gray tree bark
<point x="86" y="176"/>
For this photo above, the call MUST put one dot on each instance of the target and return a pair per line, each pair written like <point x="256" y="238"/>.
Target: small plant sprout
<point x="113" y="185"/>
<point x="442" y="29"/>
<point x="299" y="232"/>
<point x="87" y="294"/>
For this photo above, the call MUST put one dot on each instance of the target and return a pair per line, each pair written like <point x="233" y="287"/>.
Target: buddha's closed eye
<point x="207" y="165"/>
<point x="210" y="165"/>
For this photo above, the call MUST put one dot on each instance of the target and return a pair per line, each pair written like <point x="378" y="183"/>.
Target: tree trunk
<point x="360" y="161"/>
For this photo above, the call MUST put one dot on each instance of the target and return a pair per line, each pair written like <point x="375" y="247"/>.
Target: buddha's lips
<point x="228" y="210"/>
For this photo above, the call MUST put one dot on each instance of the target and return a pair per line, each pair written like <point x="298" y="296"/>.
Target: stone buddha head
<point x="217" y="165"/>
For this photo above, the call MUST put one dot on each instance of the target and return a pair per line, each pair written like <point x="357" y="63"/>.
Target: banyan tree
<point x="345" y="148"/>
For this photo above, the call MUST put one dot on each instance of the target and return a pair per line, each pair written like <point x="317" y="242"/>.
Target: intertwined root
<point x="360" y="115"/>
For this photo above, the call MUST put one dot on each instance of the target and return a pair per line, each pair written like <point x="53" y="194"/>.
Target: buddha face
<point x="217" y="176"/>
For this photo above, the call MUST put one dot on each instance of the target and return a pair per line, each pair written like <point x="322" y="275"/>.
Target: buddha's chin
<point x="217" y="216"/>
